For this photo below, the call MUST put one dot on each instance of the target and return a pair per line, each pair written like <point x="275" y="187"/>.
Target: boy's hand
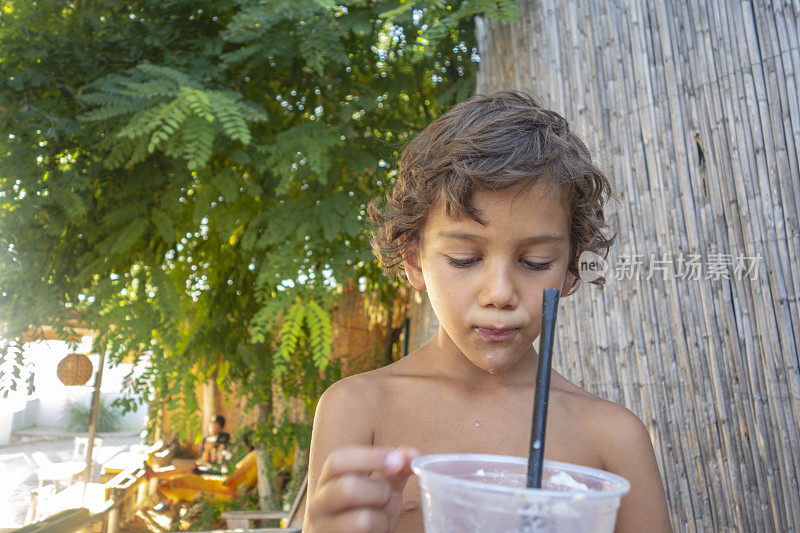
<point x="360" y="490"/>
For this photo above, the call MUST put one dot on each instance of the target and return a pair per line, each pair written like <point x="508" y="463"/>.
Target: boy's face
<point x="485" y="282"/>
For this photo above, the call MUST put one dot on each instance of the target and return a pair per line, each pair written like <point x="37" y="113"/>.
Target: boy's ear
<point x="413" y="270"/>
<point x="569" y="281"/>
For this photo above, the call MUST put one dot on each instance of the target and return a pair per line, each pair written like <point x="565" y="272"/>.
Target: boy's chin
<point x="493" y="364"/>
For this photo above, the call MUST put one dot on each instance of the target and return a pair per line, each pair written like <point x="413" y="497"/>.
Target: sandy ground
<point x="17" y="466"/>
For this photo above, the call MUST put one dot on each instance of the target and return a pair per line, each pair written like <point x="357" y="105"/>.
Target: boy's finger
<point x="366" y="519"/>
<point x="360" y="459"/>
<point x="351" y="491"/>
<point x="400" y="466"/>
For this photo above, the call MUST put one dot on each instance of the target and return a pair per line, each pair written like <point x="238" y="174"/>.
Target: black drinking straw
<point x="536" y="456"/>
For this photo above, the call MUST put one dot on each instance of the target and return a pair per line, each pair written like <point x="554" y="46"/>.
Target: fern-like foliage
<point x="444" y="18"/>
<point x="320" y="334"/>
<point x="164" y="109"/>
<point x="306" y="332"/>
<point x="129" y="236"/>
<point x="291" y="336"/>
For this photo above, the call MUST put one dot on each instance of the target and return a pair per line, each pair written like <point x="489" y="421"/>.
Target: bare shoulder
<point x="624" y="447"/>
<point x="582" y="407"/>
<point x="627" y="450"/>
<point x="351" y="409"/>
<point x="616" y="429"/>
<point x="349" y="401"/>
<point x="610" y="425"/>
<point x="357" y="399"/>
<point x="345" y="416"/>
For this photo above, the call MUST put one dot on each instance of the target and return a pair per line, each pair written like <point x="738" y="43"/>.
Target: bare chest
<point x="436" y="423"/>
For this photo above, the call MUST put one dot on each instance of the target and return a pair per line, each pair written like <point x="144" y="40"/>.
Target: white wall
<point x="5" y="423"/>
<point x="42" y="359"/>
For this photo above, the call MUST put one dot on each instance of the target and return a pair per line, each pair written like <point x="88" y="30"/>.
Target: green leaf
<point x="330" y="224"/>
<point x="168" y="297"/>
<point x="164" y="225"/>
<point x="128" y="236"/>
<point x="351" y="226"/>
<point x="227" y="184"/>
<point x="70" y="202"/>
<point x="392" y="14"/>
<point x="289" y="338"/>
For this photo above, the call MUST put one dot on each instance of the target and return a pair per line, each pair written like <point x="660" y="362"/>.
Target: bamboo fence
<point x="692" y="108"/>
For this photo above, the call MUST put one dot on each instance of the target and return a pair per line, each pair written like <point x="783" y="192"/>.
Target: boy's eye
<point x="536" y="266"/>
<point x="462" y="263"/>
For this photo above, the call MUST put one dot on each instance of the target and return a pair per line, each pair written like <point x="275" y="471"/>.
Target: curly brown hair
<point x="491" y="143"/>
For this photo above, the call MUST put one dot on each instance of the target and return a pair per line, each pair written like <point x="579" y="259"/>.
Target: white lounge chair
<point x="64" y="471"/>
<point x="240" y="520"/>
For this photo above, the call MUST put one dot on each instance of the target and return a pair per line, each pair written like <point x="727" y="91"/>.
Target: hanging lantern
<point x="74" y="369"/>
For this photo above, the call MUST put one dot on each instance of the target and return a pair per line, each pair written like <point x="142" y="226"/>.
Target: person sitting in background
<point x="214" y="450"/>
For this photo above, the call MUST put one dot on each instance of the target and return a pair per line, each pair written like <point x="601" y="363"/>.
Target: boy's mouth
<point x="496" y="334"/>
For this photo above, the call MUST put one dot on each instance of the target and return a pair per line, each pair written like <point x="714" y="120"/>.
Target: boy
<point x="493" y="203"/>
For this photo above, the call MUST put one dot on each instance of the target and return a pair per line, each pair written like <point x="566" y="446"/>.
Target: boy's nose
<point x="498" y="289"/>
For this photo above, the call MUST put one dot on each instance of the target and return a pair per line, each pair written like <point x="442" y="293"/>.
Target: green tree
<point x="190" y="177"/>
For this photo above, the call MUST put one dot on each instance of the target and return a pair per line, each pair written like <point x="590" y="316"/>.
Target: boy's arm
<point x="352" y="486"/>
<point x="342" y="419"/>
<point x="628" y="452"/>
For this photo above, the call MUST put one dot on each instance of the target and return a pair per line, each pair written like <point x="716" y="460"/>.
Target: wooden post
<point x="112" y="523"/>
<point x="209" y="406"/>
<point x="266" y="491"/>
<point x="87" y="474"/>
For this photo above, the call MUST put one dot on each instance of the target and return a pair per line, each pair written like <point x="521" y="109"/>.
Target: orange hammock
<point x="189" y="487"/>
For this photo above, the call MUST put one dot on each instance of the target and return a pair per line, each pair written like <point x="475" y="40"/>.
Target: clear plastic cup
<point x="486" y="493"/>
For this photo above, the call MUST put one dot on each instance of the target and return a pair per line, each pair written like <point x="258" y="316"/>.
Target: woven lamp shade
<point x="74" y="369"/>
